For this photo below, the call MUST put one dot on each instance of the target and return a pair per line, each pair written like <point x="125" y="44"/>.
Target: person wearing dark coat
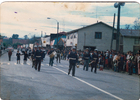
<point x="95" y="61"/>
<point x="38" y="58"/>
<point x="73" y="58"/>
<point x="9" y="54"/>
<point x="25" y="57"/>
<point x="86" y="58"/>
<point x="18" y="57"/>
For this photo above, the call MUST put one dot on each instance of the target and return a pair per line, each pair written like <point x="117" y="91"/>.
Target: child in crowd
<point x="18" y="57"/>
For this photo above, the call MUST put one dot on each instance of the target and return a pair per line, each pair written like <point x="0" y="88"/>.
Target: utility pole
<point x="118" y="5"/>
<point x="112" y="32"/>
<point x="118" y="30"/>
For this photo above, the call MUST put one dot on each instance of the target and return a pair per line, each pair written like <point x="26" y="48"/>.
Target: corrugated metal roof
<point x="89" y="26"/>
<point x="130" y="32"/>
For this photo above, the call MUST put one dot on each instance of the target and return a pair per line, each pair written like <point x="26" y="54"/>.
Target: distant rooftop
<point x="130" y="32"/>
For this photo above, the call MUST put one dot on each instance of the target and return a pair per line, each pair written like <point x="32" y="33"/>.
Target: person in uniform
<point x="25" y="57"/>
<point x="58" y="55"/>
<point x="38" y="58"/>
<point x="43" y="54"/>
<point x="73" y="58"/>
<point x="32" y="56"/>
<point x="95" y="61"/>
<point x="86" y="58"/>
<point x="51" y="57"/>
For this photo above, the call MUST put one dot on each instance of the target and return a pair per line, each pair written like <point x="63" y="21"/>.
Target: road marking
<point x="21" y="63"/>
<point x="47" y="64"/>
<point x="28" y="63"/>
<point x="15" y="63"/>
<point x="42" y="64"/>
<point x="8" y="63"/>
<point x="92" y="85"/>
<point x="1" y="63"/>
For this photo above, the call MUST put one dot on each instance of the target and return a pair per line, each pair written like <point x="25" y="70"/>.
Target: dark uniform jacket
<point x="38" y="55"/>
<point x="25" y="56"/>
<point x="73" y="58"/>
<point x="95" y="57"/>
<point x="32" y="54"/>
<point x="58" y="53"/>
<point x="86" y="56"/>
<point x="43" y="54"/>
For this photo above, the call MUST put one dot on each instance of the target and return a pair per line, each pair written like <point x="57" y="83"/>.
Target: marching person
<point x="18" y="57"/>
<point x="73" y="58"/>
<point x="50" y="53"/>
<point x="58" y="55"/>
<point x="95" y="61"/>
<point x="43" y="53"/>
<point x="38" y="58"/>
<point x="9" y="54"/>
<point x="25" y="57"/>
<point x="32" y="56"/>
<point x="86" y="58"/>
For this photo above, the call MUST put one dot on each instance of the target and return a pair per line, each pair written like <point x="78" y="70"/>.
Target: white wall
<point x="86" y="37"/>
<point x="47" y="40"/>
<point x="71" y="41"/>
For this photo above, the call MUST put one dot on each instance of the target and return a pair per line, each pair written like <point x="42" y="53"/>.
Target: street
<point x="22" y="82"/>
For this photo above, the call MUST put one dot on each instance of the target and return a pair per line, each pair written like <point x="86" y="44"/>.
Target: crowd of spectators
<point x="117" y="61"/>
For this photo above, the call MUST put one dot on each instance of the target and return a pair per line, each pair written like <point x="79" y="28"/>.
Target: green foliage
<point x="15" y="36"/>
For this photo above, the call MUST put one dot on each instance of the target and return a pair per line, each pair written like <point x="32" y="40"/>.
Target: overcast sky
<point x="29" y="18"/>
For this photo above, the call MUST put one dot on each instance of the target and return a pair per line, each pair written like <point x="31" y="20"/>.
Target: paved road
<point x="22" y="82"/>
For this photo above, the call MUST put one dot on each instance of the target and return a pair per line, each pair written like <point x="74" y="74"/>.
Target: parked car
<point x="10" y="48"/>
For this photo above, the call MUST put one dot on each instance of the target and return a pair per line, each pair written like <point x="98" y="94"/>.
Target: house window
<point x="98" y="35"/>
<point x="68" y="37"/>
<point x="71" y="36"/>
<point x="114" y="36"/>
<point x="74" y="36"/>
<point x="137" y="41"/>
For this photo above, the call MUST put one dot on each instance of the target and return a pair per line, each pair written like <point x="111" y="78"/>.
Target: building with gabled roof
<point x="129" y="40"/>
<point x="94" y="36"/>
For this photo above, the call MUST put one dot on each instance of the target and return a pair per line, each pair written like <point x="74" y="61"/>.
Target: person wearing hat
<point x="86" y="58"/>
<point x="38" y="58"/>
<point x="95" y="60"/>
<point x="73" y="58"/>
<point x="50" y="53"/>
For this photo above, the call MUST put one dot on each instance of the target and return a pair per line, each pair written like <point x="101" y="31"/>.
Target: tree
<point x="25" y="36"/>
<point x="127" y="26"/>
<point x="136" y="25"/>
<point x="15" y="36"/>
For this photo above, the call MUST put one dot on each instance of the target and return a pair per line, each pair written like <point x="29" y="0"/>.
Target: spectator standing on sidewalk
<point x="9" y="54"/>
